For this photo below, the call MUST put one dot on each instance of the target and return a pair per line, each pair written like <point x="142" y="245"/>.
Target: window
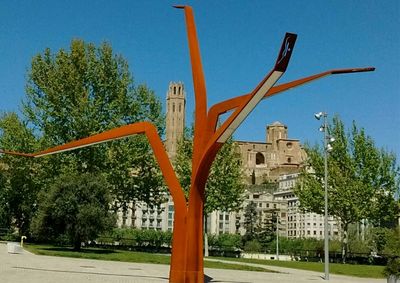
<point x="315" y="232"/>
<point x="308" y="232"/>
<point x="221" y="217"/>
<point x="227" y="217"/>
<point x="179" y="107"/>
<point x="260" y="159"/>
<point x="173" y="107"/>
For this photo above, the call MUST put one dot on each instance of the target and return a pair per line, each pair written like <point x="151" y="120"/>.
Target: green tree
<point x="362" y="183"/>
<point x="392" y="250"/>
<point x="266" y="230"/>
<point x="5" y="216"/>
<point x="252" y="246"/>
<point x="225" y="187"/>
<point x="76" y="207"/>
<point x="72" y="94"/>
<point x="19" y="184"/>
<point x="250" y="221"/>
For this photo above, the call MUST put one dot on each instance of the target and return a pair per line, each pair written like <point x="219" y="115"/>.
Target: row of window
<point x="179" y="107"/>
<point x="293" y="233"/>
<point x="221" y="217"/>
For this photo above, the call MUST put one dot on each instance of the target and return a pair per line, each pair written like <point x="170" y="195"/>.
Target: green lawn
<point x="127" y="256"/>
<point x="366" y="271"/>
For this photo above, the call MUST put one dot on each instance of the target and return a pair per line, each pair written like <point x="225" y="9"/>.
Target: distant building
<point x="175" y="118"/>
<point x="270" y="170"/>
<point x="265" y="161"/>
<point x="302" y="224"/>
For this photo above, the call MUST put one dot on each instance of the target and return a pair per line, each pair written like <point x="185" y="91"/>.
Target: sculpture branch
<point x="224" y="106"/>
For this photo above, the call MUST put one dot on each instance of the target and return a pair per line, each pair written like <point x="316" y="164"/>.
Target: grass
<point x="365" y="271"/>
<point x="127" y="256"/>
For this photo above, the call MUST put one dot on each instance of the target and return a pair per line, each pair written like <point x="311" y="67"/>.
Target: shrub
<point x="253" y="246"/>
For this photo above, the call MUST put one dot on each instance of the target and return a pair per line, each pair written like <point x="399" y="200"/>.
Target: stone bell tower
<point x="176" y="102"/>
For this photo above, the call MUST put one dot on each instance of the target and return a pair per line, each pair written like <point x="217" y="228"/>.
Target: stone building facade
<point x="264" y="162"/>
<point x="175" y="118"/>
<point x="277" y="160"/>
<point x="302" y="224"/>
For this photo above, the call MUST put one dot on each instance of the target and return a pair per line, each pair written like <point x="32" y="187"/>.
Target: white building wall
<point x="145" y="217"/>
<point x="302" y="224"/>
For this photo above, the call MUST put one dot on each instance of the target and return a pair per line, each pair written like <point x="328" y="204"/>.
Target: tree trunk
<point x="124" y="215"/>
<point x="133" y="216"/>
<point x="345" y="242"/>
<point x="77" y="244"/>
<point x="205" y="236"/>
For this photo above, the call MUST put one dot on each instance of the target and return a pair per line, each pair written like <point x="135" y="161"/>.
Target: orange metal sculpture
<point x="187" y="245"/>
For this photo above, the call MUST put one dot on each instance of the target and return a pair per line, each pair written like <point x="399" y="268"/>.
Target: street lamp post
<point x="327" y="148"/>
<point x="277" y="236"/>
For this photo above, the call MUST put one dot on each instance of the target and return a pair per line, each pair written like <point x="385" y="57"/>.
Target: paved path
<point x="26" y="267"/>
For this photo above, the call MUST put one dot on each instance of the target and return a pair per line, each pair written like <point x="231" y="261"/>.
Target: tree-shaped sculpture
<point x="187" y="244"/>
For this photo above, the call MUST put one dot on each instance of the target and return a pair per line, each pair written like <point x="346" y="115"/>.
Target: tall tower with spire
<point x="176" y="102"/>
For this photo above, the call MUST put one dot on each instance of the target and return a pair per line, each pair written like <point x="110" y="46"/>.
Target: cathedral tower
<point x="275" y="132"/>
<point x="176" y="102"/>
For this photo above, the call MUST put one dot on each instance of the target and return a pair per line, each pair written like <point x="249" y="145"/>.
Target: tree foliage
<point x="72" y="94"/>
<point x="225" y="187"/>
<point x="76" y="207"/>
<point x="19" y="182"/>
<point x="362" y="182"/>
<point x="250" y="221"/>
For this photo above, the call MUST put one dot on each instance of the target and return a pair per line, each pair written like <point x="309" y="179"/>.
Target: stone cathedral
<point x="262" y="161"/>
<point x="276" y="160"/>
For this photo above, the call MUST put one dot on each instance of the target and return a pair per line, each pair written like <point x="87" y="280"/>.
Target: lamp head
<point x="318" y="115"/>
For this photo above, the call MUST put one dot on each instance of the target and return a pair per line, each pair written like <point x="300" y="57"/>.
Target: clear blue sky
<point x="239" y="42"/>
